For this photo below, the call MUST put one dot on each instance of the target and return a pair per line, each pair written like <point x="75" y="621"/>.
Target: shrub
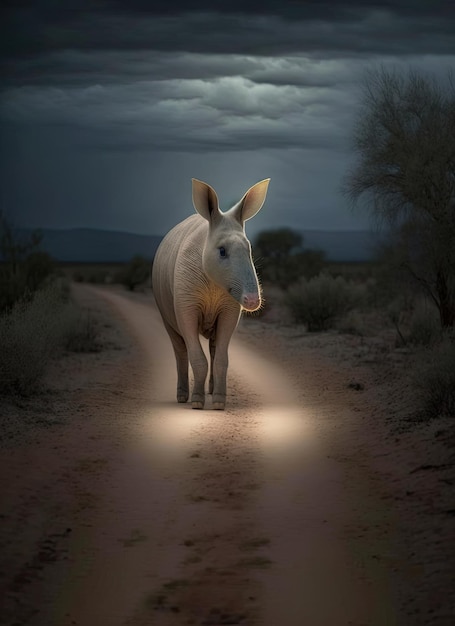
<point x="320" y="301"/>
<point x="78" y="277"/>
<point x="281" y="260"/>
<point x="38" y="267"/>
<point x="33" y="331"/>
<point x="135" y="273"/>
<point x="397" y="311"/>
<point x="28" y="337"/>
<point x="82" y="331"/>
<point x="351" y="323"/>
<point x="305" y="264"/>
<point x="435" y="378"/>
<point x="20" y="282"/>
<point x="13" y="286"/>
<point x="24" y="268"/>
<point x="284" y="272"/>
<point x="424" y="325"/>
<point x="416" y="321"/>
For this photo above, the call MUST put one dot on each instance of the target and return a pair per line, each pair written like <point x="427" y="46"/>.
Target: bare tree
<point x="404" y="139"/>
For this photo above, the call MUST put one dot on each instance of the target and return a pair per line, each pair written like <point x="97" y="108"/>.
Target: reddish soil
<point x="314" y="499"/>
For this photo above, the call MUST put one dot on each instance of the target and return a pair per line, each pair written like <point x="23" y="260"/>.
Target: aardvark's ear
<point x="252" y="201"/>
<point x="205" y="200"/>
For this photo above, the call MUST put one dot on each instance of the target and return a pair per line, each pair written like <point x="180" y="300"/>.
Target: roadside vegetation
<point x="38" y="318"/>
<point x="135" y="273"/>
<point x="404" y="141"/>
<point x="132" y="275"/>
<point x="282" y="259"/>
<point x="404" y="176"/>
<point x="381" y="308"/>
<point x="322" y="300"/>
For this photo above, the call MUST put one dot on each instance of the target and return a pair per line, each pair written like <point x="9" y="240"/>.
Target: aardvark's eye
<point x="222" y="251"/>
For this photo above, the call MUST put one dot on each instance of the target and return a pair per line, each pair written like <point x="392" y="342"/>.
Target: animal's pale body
<point x="203" y="276"/>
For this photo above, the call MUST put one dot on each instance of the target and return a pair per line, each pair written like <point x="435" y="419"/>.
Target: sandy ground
<point x="313" y="500"/>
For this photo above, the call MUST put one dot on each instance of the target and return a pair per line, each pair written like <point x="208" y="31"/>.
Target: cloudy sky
<point x="108" y="108"/>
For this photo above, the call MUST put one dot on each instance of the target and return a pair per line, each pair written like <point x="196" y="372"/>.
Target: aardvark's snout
<point x="251" y="301"/>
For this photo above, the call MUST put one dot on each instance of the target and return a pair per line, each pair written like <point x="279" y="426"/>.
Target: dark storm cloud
<point x="103" y="101"/>
<point x="140" y="68"/>
<point x="228" y="113"/>
<point x="82" y="67"/>
<point x="42" y="28"/>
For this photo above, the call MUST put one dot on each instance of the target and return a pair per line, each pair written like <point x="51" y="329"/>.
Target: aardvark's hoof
<point x="218" y="401"/>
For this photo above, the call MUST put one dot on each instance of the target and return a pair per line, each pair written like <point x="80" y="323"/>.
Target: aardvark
<point x="203" y="277"/>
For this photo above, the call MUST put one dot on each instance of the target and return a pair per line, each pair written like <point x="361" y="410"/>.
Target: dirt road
<point x="161" y="515"/>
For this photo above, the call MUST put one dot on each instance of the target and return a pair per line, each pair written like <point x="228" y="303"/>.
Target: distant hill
<point x="86" y="245"/>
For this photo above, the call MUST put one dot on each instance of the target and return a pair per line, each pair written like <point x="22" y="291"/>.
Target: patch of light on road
<point x="282" y="425"/>
<point x="285" y="433"/>
<point x="172" y="431"/>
